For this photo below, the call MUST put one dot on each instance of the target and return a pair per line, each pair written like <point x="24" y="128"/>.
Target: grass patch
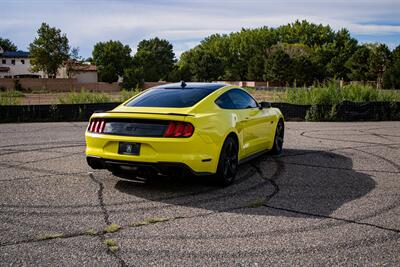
<point x="111" y="244"/>
<point x="9" y="101"/>
<point x="84" y="97"/>
<point x="112" y="228"/>
<point x="150" y="220"/>
<point x="51" y="236"/>
<point x="91" y="232"/>
<point x="12" y="93"/>
<point x="10" y="97"/>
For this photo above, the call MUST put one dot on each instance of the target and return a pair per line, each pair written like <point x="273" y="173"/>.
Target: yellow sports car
<point x="200" y="128"/>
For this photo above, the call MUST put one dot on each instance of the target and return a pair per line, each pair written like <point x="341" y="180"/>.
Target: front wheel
<point x="228" y="162"/>
<point x="278" y="140"/>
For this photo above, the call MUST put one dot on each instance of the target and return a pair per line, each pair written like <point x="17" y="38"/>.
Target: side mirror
<point x="265" y="104"/>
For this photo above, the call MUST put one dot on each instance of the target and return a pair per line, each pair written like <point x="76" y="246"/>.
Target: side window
<point x="225" y="102"/>
<point x="241" y="99"/>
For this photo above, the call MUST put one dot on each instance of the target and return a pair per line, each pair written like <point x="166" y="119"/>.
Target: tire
<point x="228" y="162"/>
<point x="277" y="148"/>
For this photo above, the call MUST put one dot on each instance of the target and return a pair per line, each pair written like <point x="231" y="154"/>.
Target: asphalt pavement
<point x="332" y="198"/>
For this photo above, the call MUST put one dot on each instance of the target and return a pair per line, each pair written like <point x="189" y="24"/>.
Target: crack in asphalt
<point x="107" y="221"/>
<point x="101" y="199"/>
<point x="333" y="218"/>
<point x="106" y="218"/>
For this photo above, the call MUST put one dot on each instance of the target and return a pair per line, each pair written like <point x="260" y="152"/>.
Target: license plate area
<point x="126" y="148"/>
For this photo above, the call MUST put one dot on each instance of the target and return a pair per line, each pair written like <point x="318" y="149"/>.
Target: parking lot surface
<point x="332" y="198"/>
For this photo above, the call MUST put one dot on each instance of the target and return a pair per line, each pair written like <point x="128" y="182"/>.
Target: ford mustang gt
<point x="198" y="128"/>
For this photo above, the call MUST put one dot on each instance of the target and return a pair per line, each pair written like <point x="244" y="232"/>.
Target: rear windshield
<point x="170" y="98"/>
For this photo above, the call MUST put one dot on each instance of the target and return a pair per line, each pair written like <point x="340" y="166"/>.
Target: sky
<point x="186" y="23"/>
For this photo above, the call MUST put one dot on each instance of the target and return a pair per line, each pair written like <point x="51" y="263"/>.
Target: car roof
<point x="192" y="85"/>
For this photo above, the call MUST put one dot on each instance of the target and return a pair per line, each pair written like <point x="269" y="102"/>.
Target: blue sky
<point x="185" y="23"/>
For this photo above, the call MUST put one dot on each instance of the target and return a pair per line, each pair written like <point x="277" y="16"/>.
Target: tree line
<point x="296" y="54"/>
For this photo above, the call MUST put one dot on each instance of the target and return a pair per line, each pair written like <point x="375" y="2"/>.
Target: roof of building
<point x="82" y="67"/>
<point x="15" y="54"/>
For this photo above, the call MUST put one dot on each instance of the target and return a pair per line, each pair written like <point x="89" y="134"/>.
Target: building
<point x="83" y="72"/>
<point x="16" y="65"/>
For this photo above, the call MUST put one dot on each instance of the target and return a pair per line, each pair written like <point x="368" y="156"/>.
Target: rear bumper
<point x="196" y="154"/>
<point x="166" y="168"/>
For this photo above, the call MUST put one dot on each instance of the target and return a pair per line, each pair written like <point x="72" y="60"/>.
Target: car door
<point x="253" y="120"/>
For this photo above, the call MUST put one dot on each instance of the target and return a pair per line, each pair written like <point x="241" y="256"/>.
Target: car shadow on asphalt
<point x="309" y="181"/>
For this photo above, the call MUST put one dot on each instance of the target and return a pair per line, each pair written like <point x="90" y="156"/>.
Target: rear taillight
<point x="97" y="125"/>
<point x="179" y="129"/>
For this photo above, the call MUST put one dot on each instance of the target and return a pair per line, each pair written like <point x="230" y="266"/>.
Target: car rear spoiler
<point x="155" y="113"/>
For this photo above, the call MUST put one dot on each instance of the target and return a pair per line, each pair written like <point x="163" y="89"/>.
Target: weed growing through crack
<point x="112" y="228"/>
<point x="51" y="236"/>
<point x="111" y="244"/>
<point x="90" y="232"/>
<point x="150" y="220"/>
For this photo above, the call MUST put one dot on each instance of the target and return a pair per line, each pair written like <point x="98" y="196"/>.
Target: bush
<point x="133" y="78"/>
<point x="332" y="94"/>
<point x="84" y="97"/>
<point x="321" y="113"/>
<point x="108" y="74"/>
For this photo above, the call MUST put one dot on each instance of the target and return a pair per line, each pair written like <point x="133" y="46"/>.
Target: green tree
<point x="111" y="58"/>
<point x="342" y="48"/>
<point x="180" y="72"/>
<point x="391" y="77"/>
<point x="108" y="74"/>
<point x="203" y="65"/>
<point x="7" y="45"/>
<point x="255" y="68"/>
<point x="358" y="64"/>
<point x="156" y="57"/>
<point x="379" y="61"/>
<point x="306" y="33"/>
<point x="133" y="78"/>
<point x="49" y="50"/>
<point x="278" y="67"/>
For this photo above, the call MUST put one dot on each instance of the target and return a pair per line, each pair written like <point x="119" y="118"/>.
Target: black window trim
<point x="258" y="105"/>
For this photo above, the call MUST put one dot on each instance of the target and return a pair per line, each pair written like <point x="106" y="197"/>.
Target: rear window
<point x="169" y="98"/>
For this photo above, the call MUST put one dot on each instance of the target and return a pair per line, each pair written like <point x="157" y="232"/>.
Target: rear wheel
<point x="228" y="162"/>
<point x="278" y="140"/>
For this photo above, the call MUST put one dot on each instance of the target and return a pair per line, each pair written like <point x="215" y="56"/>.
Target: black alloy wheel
<point x="278" y="140"/>
<point x="228" y="162"/>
